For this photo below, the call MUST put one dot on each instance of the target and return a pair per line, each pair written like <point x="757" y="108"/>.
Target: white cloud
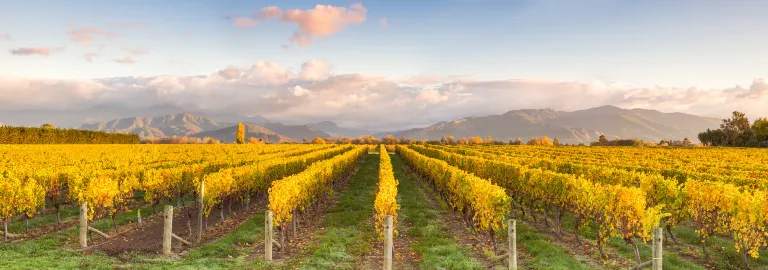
<point x="315" y="70"/>
<point x="269" y="89"/>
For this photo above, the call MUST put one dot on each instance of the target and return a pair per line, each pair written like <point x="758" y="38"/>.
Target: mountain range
<point x="580" y="126"/>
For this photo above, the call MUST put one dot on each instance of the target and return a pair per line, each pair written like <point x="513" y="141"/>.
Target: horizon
<point x="361" y="63"/>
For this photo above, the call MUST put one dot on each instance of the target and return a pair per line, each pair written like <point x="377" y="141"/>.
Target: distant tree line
<point x="49" y="134"/>
<point x="737" y="132"/>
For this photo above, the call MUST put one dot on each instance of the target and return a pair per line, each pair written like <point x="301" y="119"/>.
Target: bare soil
<point x="148" y="238"/>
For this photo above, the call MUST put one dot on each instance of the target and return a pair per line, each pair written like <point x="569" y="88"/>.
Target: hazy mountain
<point x="182" y="124"/>
<point x="229" y="134"/>
<point x="571" y="127"/>
<point x="233" y="118"/>
<point x="296" y="133"/>
<point x="335" y="130"/>
<point x="75" y="118"/>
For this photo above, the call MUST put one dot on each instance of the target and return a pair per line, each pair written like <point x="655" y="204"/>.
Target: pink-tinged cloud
<point x="244" y="22"/>
<point x="31" y="51"/>
<point x="266" y="13"/>
<point x="384" y="22"/>
<point x="86" y="35"/>
<point x="89" y="57"/>
<point x="322" y="21"/>
<point x="270" y="12"/>
<point x="315" y="70"/>
<point x="5" y="36"/>
<point x="126" y="60"/>
<point x="186" y="34"/>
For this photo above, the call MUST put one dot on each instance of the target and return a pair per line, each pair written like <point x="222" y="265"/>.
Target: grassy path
<point x="348" y="232"/>
<point x="423" y="224"/>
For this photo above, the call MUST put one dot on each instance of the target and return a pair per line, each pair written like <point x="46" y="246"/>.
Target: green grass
<point x="624" y="250"/>
<point x="430" y="238"/>
<point x="545" y="255"/>
<point x="349" y="231"/>
<point x="68" y="212"/>
<point x="722" y="252"/>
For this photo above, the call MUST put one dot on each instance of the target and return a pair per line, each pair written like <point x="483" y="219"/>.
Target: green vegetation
<point x="51" y="135"/>
<point x="349" y="231"/>
<point x="431" y="239"/>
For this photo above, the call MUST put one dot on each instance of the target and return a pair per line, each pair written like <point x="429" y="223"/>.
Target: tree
<point x="735" y="128"/>
<point x="557" y="141"/>
<point x="761" y="128"/>
<point x="48" y="126"/>
<point x="475" y="140"/>
<point x="463" y="141"/>
<point x="253" y="140"/>
<point x="534" y="141"/>
<point x="318" y="140"/>
<point x="450" y="140"/>
<point x="517" y="141"/>
<point x="603" y="140"/>
<point x="686" y="142"/>
<point x="389" y="139"/>
<point x="304" y="140"/>
<point x="488" y="140"/>
<point x="240" y="133"/>
<point x="546" y="141"/>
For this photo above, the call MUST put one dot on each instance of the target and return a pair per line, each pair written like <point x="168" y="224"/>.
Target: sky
<point x="386" y="64"/>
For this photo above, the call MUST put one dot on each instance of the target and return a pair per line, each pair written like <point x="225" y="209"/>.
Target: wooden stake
<point x="83" y="225"/>
<point x="167" y="229"/>
<point x="388" y="245"/>
<point x="200" y="214"/>
<point x="658" y="239"/>
<point x="512" y="236"/>
<point x="92" y="229"/>
<point x="268" y="236"/>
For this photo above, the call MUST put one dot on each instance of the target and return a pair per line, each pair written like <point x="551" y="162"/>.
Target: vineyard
<point x="291" y="206"/>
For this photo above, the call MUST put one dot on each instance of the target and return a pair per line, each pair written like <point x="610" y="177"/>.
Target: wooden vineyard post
<point x="268" y="236"/>
<point x="388" y="245"/>
<point x="658" y="254"/>
<point x="83" y="225"/>
<point x="512" y="236"/>
<point x="658" y="238"/>
<point x="200" y="213"/>
<point x="167" y="229"/>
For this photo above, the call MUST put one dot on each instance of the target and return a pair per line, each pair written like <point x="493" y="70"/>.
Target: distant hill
<point x="182" y="124"/>
<point x="335" y="130"/>
<point x="251" y="130"/>
<point x="296" y="133"/>
<point x="571" y="127"/>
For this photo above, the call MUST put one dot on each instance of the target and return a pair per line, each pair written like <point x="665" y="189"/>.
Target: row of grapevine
<point x="617" y="210"/>
<point x="299" y="191"/>
<point x="480" y="200"/>
<point x="106" y="180"/>
<point x="713" y="206"/>
<point x="386" y="199"/>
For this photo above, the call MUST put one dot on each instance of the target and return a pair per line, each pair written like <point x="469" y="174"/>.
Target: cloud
<point x="431" y="96"/>
<point x="32" y="51"/>
<point x="383" y="22"/>
<point x="266" y="13"/>
<point x="89" y="57"/>
<point x="5" y="37"/>
<point x="364" y="101"/>
<point x="231" y="72"/>
<point x="86" y="35"/>
<point x="125" y="60"/>
<point x="315" y="70"/>
<point x="136" y="51"/>
<point x="322" y="21"/>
